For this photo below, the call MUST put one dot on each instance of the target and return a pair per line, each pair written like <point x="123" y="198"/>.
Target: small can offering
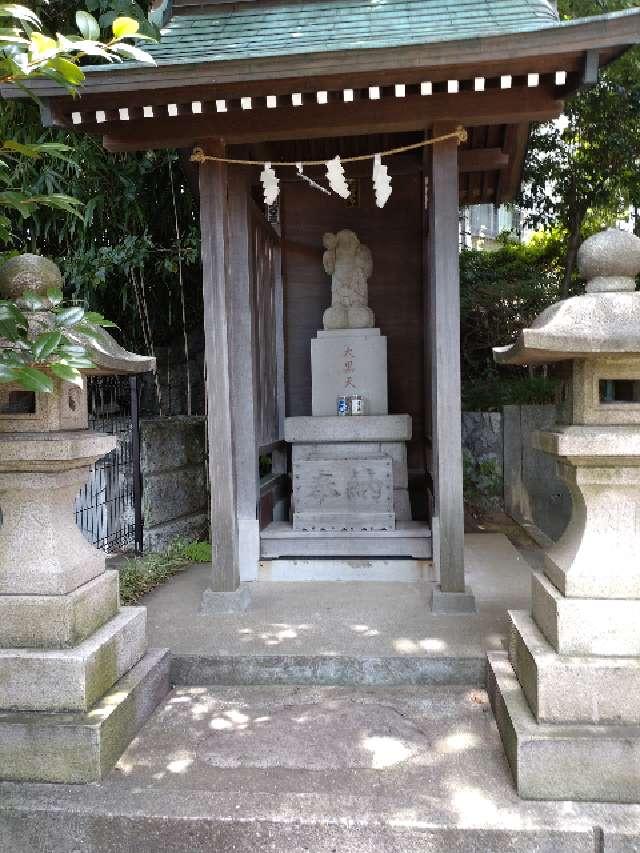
<point x="356" y="405"/>
<point x="342" y="406"/>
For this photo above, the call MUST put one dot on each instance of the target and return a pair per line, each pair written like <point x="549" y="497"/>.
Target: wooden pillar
<point x="228" y="327"/>
<point x="243" y="370"/>
<point x="214" y="235"/>
<point x="443" y="361"/>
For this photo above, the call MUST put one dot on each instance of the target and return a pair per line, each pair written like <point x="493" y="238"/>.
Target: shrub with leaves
<point x="45" y="340"/>
<point x="42" y="344"/>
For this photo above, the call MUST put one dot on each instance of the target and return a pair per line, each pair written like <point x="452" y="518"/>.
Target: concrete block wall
<point x="533" y="492"/>
<point x="175" y="501"/>
<point x="482" y="436"/>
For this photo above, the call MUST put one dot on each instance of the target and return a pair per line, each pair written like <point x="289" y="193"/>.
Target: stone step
<point x="326" y="770"/>
<point x="328" y="670"/>
<point x="410" y="539"/>
<point x="81" y="746"/>
<point x="58" y="621"/>
<point x="562" y="761"/>
<point x="314" y="570"/>
<point x="73" y="679"/>
<point x="563" y="688"/>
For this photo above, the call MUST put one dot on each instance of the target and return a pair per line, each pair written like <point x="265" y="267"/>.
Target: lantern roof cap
<point x="37" y="275"/>
<point x="603" y="321"/>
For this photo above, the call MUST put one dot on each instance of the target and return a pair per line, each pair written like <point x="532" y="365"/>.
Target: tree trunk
<point x="572" y="252"/>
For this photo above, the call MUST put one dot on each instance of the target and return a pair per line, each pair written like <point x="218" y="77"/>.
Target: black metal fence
<point x="108" y="508"/>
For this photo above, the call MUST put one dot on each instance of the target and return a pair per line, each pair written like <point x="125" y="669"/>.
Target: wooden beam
<point x="444" y="330"/>
<point x="591" y="69"/>
<point x="160" y="95"/>
<point x="224" y="521"/>
<point x="515" y="146"/>
<point x="482" y="159"/>
<point x="323" y="120"/>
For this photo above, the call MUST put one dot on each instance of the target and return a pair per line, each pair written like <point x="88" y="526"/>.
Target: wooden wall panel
<point x="395" y="289"/>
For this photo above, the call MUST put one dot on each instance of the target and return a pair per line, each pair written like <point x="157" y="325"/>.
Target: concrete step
<point x="328" y="670"/>
<point x="257" y="769"/>
<point x="410" y="539"/>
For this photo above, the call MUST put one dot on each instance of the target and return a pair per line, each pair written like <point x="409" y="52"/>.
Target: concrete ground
<point x="319" y="769"/>
<point x="389" y="625"/>
<point x="328" y="718"/>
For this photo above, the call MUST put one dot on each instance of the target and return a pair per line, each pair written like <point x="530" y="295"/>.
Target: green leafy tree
<point x="35" y="348"/>
<point x="500" y="293"/>
<point x="584" y="172"/>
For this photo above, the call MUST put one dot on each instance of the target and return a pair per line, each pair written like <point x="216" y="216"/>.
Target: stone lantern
<point x="567" y="696"/>
<point x="76" y="679"/>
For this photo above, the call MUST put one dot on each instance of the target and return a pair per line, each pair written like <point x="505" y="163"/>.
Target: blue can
<point x="342" y="406"/>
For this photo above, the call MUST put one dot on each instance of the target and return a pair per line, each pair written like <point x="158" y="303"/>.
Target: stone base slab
<point x="562" y="761"/>
<point x="360" y="490"/>
<point x="409" y="540"/>
<point x="453" y="602"/>
<point x="396" y="450"/>
<point x="73" y="679"/>
<point x="340" y="522"/>
<point x="572" y="689"/>
<point x="58" y="621"/>
<point x="83" y="746"/>
<point x="585" y="626"/>
<point x="307" y="430"/>
<point x="225" y="602"/>
<point x="311" y="570"/>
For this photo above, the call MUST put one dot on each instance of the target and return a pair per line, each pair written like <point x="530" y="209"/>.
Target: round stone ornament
<point x="610" y="261"/>
<point x="28" y="273"/>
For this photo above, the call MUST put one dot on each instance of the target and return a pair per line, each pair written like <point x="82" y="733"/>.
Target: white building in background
<point x="482" y="224"/>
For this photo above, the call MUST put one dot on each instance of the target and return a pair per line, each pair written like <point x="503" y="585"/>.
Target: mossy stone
<point x="28" y="273"/>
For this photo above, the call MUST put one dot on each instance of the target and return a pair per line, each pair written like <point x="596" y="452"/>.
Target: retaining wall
<point x="175" y="500"/>
<point x="533" y="493"/>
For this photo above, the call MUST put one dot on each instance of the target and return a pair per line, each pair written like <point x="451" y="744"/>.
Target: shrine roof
<point x="249" y="30"/>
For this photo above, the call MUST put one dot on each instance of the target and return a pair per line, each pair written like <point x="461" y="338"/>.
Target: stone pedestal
<point x="349" y="474"/>
<point x="349" y="361"/>
<point x="76" y="680"/>
<point x="567" y="695"/>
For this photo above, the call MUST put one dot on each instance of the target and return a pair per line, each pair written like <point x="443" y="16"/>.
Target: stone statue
<point x="349" y="264"/>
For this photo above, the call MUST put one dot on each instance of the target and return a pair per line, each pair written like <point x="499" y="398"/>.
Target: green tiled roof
<point x="253" y="30"/>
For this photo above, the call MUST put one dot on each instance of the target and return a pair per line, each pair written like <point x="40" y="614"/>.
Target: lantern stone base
<point x="73" y="679"/>
<point x="58" y="621"/>
<point x="564" y="688"/>
<point x="585" y="626"/>
<point x="83" y="746"/>
<point x="552" y="761"/>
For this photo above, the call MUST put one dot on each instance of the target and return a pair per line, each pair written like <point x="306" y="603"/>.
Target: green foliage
<point x="493" y="390"/>
<point x="140" y="575"/>
<point x="501" y="292"/>
<point x="33" y="350"/>
<point x="197" y="552"/>
<point x="29" y="53"/>
<point x="585" y="168"/>
<point x="122" y="256"/>
<point x="43" y="343"/>
<point x="483" y="482"/>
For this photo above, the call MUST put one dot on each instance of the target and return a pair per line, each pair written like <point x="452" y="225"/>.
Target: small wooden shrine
<point x="298" y="80"/>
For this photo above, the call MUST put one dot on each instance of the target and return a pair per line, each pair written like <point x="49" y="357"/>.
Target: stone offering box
<point x="567" y="698"/>
<point x="76" y="678"/>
